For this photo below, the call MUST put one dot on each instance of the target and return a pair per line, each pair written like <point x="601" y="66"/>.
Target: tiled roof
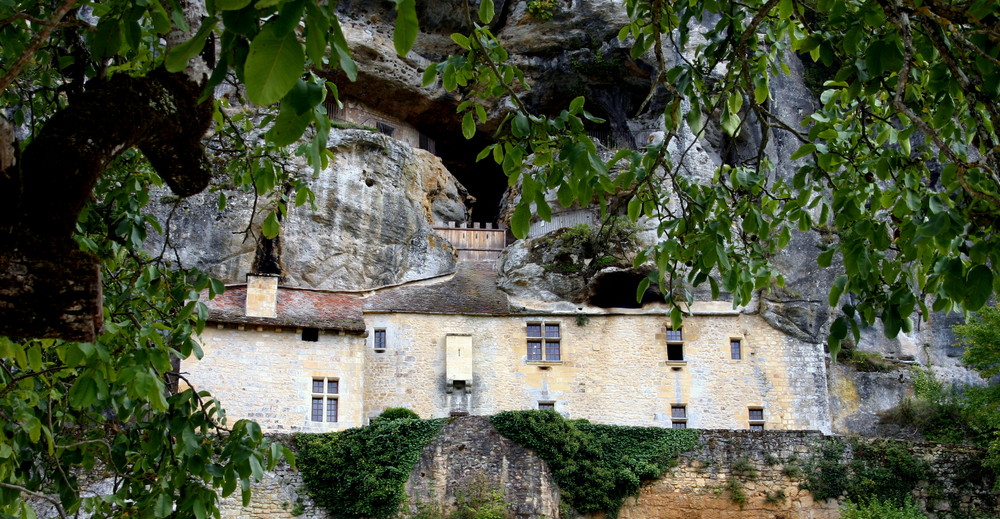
<point x="472" y="290"/>
<point x="296" y="308"/>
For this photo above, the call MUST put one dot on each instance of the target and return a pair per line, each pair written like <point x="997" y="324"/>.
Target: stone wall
<point x="613" y="369"/>
<point x="267" y="374"/>
<point x="767" y="467"/>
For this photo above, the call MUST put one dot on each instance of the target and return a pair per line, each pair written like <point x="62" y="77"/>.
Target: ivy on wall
<point x="881" y="469"/>
<point x="362" y="472"/>
<point x="595" y="466"/>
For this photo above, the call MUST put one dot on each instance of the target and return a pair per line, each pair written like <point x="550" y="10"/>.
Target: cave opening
<point x="484" y="179"/>
<point x="617" y="290"/>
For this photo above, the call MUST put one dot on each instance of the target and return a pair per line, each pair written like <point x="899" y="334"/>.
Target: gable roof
<point x="296" y="308"/>
<point x="472" y="290"/>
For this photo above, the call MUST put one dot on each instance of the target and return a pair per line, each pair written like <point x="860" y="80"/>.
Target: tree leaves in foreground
<point x="107" y="407"/>
<point x="898" y="169"/>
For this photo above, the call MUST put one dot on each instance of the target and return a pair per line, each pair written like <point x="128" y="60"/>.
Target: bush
<point x="880" y="469"/>
<point x="361" y="472"/>
<point x="878" y="509"/>
<point x="596" y="466"/>
<point x="542" y="9"/>
<point x="397" y="413"/>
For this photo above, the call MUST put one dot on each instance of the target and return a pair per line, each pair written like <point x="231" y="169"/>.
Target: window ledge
<point x="676" y="363"/>
<point x="543" y="362"/>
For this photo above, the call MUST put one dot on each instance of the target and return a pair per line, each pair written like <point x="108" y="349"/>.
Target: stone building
<point x="310" y="360"/>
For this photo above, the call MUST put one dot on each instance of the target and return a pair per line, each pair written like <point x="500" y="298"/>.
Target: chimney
<point x="262" y="295"/>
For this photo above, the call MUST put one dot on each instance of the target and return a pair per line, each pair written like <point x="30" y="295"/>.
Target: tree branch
<point x="32" y="48"/>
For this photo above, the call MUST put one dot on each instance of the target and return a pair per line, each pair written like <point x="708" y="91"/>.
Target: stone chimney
<point x="262" y="295"/>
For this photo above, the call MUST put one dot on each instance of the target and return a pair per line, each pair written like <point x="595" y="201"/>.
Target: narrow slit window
<point x="735" y="349"/>
<point x="379" y="340"/>
<point x="756" y="418"/>
<point x="678" y="416"/>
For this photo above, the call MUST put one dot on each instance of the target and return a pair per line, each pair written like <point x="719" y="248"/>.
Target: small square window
<point x="546" y="406"/>
<point x="756" y="427"/>
<point x="675" y="352"/>
<point x="735" y="349"/>
<point x="756" y="414"/>
<point x="310" y="334"/>
<point x="678" y="425"/>
<point x="674" y="336"/>
<point x="379" y="340"/>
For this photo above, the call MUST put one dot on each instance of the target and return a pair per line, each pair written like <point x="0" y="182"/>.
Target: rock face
<point x="376" y="205"/>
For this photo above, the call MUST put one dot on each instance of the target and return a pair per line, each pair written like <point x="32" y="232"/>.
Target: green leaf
<point x="640" y="290"/>
<point x="978" y="287"/>
<point x="486" y="11"/>
<point x="521" y="127"/>
<point x="164" y="505"/>
<point x="177" y="58"/>
<point x="271" y="227"/>
<point x="803" y="150"/>
<point x="430" y="75"/>
<point x="520" y="221"/>
<point x="730" y="123"/>
<point x="230" y="5"/>
<point x="468" y="125"/>
<point x="837" y="289"/>
<point x="825" y="258"/>
<point x="405" y="33"/>
<point x="273" y="66"/>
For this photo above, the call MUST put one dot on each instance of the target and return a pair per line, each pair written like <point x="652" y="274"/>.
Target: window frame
<point x="756" y="423"/>
<point x="543" y="347"/>
<point x="546" y="405"/>
<point x="735" y="348"/>
<point x="675" y="342"/>
<point x="678" y="420"/>
<point x="378" y="333"/>
<point x="326" y="398"/>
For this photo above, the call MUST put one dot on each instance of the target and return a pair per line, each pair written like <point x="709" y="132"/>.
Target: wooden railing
<point x="479" y="242"/>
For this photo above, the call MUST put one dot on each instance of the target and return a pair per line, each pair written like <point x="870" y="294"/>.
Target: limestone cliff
<point x="376" y="205"/>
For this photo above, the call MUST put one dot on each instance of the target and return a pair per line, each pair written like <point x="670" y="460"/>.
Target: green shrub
<point x="396" y="413"/>
<point x="361" y="472"/>
<point x="596" y="466"/>
<point x="542" y="9"/>
<point x="881" y="469"/>
<point x="480" y="500"/>
<point x="736" y="492"/>
<point x="875" y="508"/>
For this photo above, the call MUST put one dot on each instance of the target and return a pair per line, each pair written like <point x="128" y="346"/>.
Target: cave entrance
<point x="617" y="290"/>
<point x="485" y="179"/>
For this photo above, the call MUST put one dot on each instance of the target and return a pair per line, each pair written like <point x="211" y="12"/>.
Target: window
<point x="385" y="128"/>
<point x="678" y="416"/>
<point x="543" y="342"/>
<point x="675" y="345"/>
<point x="546" y="406"/>
<point x="310" y="334"/>
<point x="379" y="340"/>
<point x="756" y="418"/>
<point x="325" y="399"/>
<point x="735" y="349"/>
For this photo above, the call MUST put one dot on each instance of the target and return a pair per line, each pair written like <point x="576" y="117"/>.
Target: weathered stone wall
<point x="614" y="369"/>
<point x="267" y="375"/>
<point x="766" y="466"/>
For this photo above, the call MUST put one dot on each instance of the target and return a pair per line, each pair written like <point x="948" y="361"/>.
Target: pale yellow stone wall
<point x="262" y="296"/>
<point x="614" y="370"/>
<point x="267" y="375"/>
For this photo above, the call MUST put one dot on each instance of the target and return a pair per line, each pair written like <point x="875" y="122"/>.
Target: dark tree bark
<point x="48" y="288"/>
